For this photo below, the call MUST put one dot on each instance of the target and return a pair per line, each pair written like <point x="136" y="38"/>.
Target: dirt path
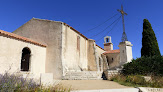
<point x="91" y="84"/>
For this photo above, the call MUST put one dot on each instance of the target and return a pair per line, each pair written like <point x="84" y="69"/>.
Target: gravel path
<point x="91" y="84"/>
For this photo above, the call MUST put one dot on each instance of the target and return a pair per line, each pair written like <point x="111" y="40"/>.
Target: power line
<point x="105" y="28"/>
<point x="109" y="30"/>
<point x="100" y="24"/>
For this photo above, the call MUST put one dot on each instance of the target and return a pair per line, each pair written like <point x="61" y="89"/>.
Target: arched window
<point x="25" y="59"/>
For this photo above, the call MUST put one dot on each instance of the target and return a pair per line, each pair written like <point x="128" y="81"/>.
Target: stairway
<point x="83" y="75"/>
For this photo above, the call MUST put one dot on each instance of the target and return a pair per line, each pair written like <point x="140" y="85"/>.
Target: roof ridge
<point x="46" y="20"/>
<point x="112" y="51"/>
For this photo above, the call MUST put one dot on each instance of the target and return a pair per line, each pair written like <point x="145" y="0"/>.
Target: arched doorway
<point x="25" y="59"/>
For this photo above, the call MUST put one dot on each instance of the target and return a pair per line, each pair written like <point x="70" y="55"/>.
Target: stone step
<point x="81" y="75"/>
<point x="81" y="78"/>
<point x="84" y="75"/>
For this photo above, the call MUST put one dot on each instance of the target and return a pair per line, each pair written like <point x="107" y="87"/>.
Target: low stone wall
<point x="147" y="89"/>
<point x="110" y="73"/>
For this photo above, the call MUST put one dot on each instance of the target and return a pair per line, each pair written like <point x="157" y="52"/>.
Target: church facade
<point x="41" y="47"/>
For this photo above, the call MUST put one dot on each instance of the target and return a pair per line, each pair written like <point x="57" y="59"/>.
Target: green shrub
<point x="144" y="66"/>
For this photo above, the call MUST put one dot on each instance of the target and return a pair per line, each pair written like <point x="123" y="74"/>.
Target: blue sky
<point x="86" y="14"/>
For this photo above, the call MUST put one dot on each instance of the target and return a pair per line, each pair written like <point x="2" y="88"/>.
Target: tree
<point x="149" y="42"/>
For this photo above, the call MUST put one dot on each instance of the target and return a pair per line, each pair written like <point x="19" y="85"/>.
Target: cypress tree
<point x="149" y="42"/>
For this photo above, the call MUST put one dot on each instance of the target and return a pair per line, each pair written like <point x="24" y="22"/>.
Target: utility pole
<point x="124" y="36"/>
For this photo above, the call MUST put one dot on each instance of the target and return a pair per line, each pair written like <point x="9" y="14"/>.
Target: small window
<point x="78" y="43"/>
<point x="107" y="60"/>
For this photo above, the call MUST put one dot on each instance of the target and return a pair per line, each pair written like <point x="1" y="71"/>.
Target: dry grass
<point x="138" y="81"/>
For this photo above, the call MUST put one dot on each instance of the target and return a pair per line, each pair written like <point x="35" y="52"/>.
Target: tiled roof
<point x="99" y="47"/>
<point x="112" y="51"/>
<point x="14" y="36"/>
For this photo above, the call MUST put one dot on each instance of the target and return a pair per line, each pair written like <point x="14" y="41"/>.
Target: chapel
<point x="54" y="50"/>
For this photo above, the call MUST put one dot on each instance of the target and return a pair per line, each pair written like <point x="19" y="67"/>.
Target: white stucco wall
<point x="129" y="53"/>
<point x="73" y="59"/>
<point x="125" y="52"/>
<point x="11" y="52"/>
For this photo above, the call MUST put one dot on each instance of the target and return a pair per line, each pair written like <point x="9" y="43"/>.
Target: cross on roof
<point x="121" y="11"/>
<point x="124" y="36"/>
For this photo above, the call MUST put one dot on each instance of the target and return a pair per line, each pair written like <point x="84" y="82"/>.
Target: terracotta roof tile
<point x="99" y="47"/>
<point x="112" y="51"/>
<point x="12" y="35"/>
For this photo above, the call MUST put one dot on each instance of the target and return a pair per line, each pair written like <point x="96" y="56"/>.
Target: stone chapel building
<point x="43" y="47"/>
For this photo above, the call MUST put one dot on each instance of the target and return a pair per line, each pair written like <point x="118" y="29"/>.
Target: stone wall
<point x="47" y="32"/>
<point x="74" y="50"/>
<point x="100" y="59"/>
<point x="67" y="49"/>
<point x="92" y="63"/>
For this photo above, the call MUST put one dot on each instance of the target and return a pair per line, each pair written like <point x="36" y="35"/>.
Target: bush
<point x="137" y="79"/>
<point x="11" y="82"/>
<point x="144" y="66"/>
<point x="14" y="83"/>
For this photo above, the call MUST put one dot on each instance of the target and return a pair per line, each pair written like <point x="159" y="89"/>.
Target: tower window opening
<point x="107" y="39"/>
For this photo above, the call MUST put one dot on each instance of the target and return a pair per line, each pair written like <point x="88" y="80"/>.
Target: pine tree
<point x="149" y="42"/>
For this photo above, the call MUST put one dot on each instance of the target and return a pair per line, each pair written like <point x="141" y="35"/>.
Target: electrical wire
<point x="109" y="30"/>
<point x="100" y="24"/>
<point x="105" y="28"/>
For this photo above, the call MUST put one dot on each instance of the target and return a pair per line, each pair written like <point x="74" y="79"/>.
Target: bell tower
<point x="108" y="45"/>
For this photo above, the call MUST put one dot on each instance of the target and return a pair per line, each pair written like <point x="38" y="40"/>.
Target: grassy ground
<point x="138" y="81"/>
